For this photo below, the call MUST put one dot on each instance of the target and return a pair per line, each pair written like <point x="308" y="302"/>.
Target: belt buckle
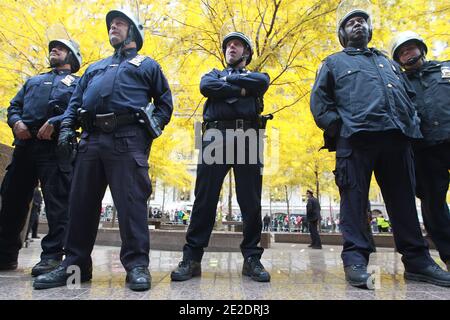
<point x="107" y="122"/>
<point x="240" y="124"/>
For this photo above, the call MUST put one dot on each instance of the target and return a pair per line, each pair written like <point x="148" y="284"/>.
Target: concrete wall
<point x="381" y="240"/>
<point x="173" y="240"/>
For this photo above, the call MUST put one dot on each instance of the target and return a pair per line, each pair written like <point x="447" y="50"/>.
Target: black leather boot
<point x="186" y="270"/>
<point x="357" y="276"/>
<point x="44" y="266"/>
<point x="139" y="279"/>
<point x="253" y="268"/>
<point x="58" y="278"/>
<point x="432" y="274"/>
<point x="8" y="265"/>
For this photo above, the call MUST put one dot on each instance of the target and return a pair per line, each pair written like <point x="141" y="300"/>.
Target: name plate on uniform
<point x="68" y="80"/>
<point x="137" y="61"/>
<point x="445" y="72"/>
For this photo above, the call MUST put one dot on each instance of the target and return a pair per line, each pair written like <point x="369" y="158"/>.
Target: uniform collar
<point x="431" y="65"/>
<point x="129" y="52"/>
<point x="366" y="51"/>
<point x="231" y="70"/>
<point x="61" y="72"/>
<point x="427" y="66"/>
<point x="125" y="54"/>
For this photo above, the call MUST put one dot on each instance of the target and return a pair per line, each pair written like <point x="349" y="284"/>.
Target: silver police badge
<point x="445" y="72"/>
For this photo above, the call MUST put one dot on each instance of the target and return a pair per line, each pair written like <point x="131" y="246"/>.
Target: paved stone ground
<point x="298" y="273"/>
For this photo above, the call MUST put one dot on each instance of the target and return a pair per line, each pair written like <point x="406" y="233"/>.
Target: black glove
<point x="334" y="128"/>
<point x="331" y="135"/>
<point x="66" y="143"/>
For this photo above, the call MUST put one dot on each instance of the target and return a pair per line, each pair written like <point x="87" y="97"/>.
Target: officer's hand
<point x="21" y="131"/>
<point x="46" y="131"/>
<point x="65" y="142"/>
<point x="334" y="128"/>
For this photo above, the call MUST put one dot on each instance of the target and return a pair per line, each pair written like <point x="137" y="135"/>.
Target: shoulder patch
<point x="445" y="72"/>
<point x="68" y="80"/>
<point x="137" y="61"/>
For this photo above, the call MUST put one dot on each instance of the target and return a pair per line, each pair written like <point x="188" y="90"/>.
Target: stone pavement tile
<point x="440" y="295"/>
<point x="28" y="293"/>
<point x="298" y="273"/>
<point x="111" y="294"/>
<point x="426" y="287"/>
<point x="57" y="294"/>
<point x="390" y="295"/>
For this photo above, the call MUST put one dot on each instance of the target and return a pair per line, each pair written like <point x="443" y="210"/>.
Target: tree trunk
<point x="270" y="203"/>
<point x="287" y="206"/>
<point x="230" y="196"/>
<point x="114" y="213"/>
<point x="316" y="174"/>
<point x="163" y="199"/>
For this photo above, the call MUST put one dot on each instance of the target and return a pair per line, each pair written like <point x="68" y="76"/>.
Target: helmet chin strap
<point x="413" y="61"/>
<point x="237" y="62"/>
<point x="119" y="46"/>
<point x="66" y="60"/>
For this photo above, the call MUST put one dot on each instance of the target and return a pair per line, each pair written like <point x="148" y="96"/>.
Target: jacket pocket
<point x="347" y="73"/>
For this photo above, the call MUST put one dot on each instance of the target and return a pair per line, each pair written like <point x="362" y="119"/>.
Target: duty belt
<point x="109" y="122"/>
<point x="238" y="124"/>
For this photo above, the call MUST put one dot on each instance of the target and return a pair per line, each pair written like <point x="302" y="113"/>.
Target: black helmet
<point x="73" y="47"/>
<point x="240" y="36"/>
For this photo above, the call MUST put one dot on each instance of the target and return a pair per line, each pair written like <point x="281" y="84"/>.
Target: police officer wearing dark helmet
<point x="34" y="116"/>
<point x="431" y="81"/>
<point x="360" y="99"/>
<point x="113" y="150"/>
<point x="234" y="102"/>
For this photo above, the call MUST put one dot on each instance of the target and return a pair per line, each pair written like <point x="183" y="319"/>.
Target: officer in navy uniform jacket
<point x="431" y="82"/>
<point x="113" y="150"/>
<point x="234" y="102"/>
<point x="34" y="115"/>
<point x="362" y="100"/>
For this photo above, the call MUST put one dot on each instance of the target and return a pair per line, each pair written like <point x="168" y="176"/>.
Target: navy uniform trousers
<point x="34" y="160"/>
<point x="389" y="156"/>
<point x="432" y="170"/>
<point x="118" y="159"/>
<point x="314" y="233"/>
<point x="210" y="177"/>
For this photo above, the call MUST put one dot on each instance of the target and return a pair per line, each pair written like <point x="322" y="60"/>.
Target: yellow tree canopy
<point x="290" y="37"/>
